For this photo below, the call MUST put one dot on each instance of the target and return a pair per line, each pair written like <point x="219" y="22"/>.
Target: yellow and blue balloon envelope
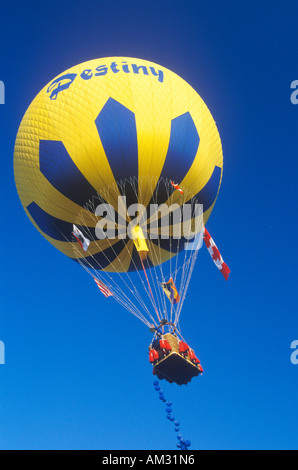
<point x="110" y="127"/>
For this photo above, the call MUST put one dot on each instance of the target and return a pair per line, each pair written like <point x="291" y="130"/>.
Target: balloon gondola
<point x="171" y="357"/>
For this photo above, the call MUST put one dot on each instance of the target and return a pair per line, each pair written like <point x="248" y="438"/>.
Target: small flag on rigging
<point x="175" y="185"/>
<point x="81" y="239"/>
<point x="106" y="292"/>
<point x="215" y="255"/>
<point x="170" y="290"/>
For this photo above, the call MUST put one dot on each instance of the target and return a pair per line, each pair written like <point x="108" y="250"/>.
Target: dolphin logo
<point x="60" y="84"/>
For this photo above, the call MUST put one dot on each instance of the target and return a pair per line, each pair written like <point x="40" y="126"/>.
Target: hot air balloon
<point x="118" y="163"/>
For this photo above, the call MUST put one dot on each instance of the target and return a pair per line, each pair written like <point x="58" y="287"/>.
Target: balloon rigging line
<point x="124" y="270"/>
<point x="112" y="285"/>
<point x="149" y="288"/>
<point x="134" y="291"/>
<point x="178" y="270"/>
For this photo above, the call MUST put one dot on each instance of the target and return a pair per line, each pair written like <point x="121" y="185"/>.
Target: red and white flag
<point x="83" y="241"/>
<point x="106" y="292"/>
<point x="175" y="185"/>
<point x="215" y="255"/>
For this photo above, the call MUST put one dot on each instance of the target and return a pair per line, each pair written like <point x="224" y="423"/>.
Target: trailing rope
<point x="182" y="444"/>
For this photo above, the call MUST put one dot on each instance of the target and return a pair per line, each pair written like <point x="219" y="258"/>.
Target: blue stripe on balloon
<point x="60" y="230"/>
<point x="51" y="226"/>
<point x="59" y="169"/>
<point x="55" y="228"/>
<point x="206" y="196"/>
<point x="116" y="126"/>
<point x="117" y="130"/>
<point x="208" y="193"/>
<point x="102" y="259"/>
<point x="182" y="150"/>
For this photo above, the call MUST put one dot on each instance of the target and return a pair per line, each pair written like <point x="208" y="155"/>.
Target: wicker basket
<point x="175" y="367"/>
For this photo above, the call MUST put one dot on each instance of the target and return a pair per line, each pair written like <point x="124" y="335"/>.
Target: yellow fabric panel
<point x="122" y="262"/>
<point x="158" y="255"/>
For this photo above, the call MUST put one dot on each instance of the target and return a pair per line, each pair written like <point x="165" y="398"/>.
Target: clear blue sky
<point x="63" y="386"/>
